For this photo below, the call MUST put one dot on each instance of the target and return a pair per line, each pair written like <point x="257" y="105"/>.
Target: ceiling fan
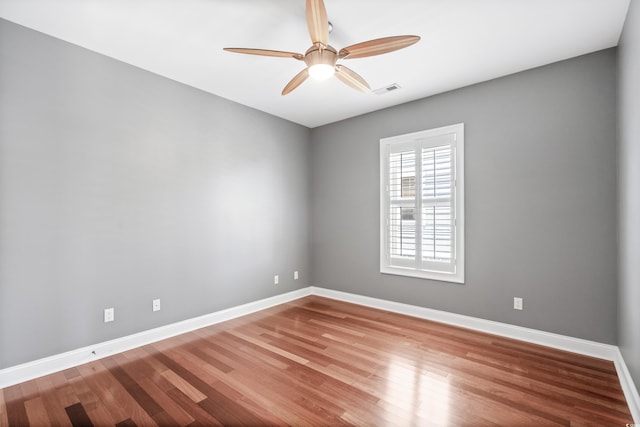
<point x="321" y="58"/>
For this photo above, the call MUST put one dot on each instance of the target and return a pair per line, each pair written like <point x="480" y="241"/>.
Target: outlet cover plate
<point x="109" y="315"/>
<point x="517" y="303"/>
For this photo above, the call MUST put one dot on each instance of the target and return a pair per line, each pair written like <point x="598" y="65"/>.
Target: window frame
<point x="417" y="141"/>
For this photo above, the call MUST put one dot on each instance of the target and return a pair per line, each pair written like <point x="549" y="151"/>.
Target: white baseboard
<point x="561" y="342"/>
<point x="56" y="363"/>
<point x="48" y="365"/>
<point x="628" y="387"/>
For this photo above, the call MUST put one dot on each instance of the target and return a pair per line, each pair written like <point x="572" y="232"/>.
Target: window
<point x="422" y="204"/>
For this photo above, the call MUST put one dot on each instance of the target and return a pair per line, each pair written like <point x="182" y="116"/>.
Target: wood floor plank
<point x="36" y="412"/>
<point x="78" y="416"/>
<point x="127" y="423"/>
<point x="316" y="362"/>
<point x="14" y="406"/>
<point x="181" y="384"/>
<point x="4" y="421"/>
<point x="201" y="415"/>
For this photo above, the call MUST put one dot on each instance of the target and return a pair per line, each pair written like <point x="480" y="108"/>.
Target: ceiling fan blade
<point x="377" y="46"/>
<point x="318" y="22"/>
<point x="296" y="81"/>
<point x="351" y="78"/>
<point x="265" y="52"/>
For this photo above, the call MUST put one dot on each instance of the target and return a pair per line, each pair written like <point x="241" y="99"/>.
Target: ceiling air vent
<point x="387" y="89"/>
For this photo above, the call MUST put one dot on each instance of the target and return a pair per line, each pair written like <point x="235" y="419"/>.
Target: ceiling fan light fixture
<point x="322" y="71"/>
<point x="321" y="61"/>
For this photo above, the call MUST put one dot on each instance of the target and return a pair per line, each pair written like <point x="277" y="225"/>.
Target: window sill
<point x="422" y="274"/>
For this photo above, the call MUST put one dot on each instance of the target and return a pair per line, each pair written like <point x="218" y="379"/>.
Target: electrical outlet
<point x="517" y="303"/>
<point x="276" y="279"/>
<point x="295" y="275"/>
<point x="109" y="315"/>
<point x="155" y="305"/>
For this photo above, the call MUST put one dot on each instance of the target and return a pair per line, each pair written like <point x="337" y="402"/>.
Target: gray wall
<point x="118" y="186"/>
<point x="629" y="178"/>
<point x="541" y="199"/>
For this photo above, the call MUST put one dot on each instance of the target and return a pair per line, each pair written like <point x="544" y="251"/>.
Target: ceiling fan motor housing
<point x="318" y="54"/>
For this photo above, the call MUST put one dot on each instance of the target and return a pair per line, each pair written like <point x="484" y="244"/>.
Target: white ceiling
<point x="463" y="42"/>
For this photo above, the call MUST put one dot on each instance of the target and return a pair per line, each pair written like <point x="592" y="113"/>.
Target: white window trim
<point x="411" y="139"/>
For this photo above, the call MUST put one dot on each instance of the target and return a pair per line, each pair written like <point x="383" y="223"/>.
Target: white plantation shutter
<point x="438" y="215"/>
<point x="402" y="210"/>
<point x="421" y="204"/>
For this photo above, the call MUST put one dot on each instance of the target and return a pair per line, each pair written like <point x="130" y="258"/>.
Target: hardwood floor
<point x="317" y="361"/>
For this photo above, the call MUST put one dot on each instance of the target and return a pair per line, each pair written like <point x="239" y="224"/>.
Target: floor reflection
<point x="415" y="390"/>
